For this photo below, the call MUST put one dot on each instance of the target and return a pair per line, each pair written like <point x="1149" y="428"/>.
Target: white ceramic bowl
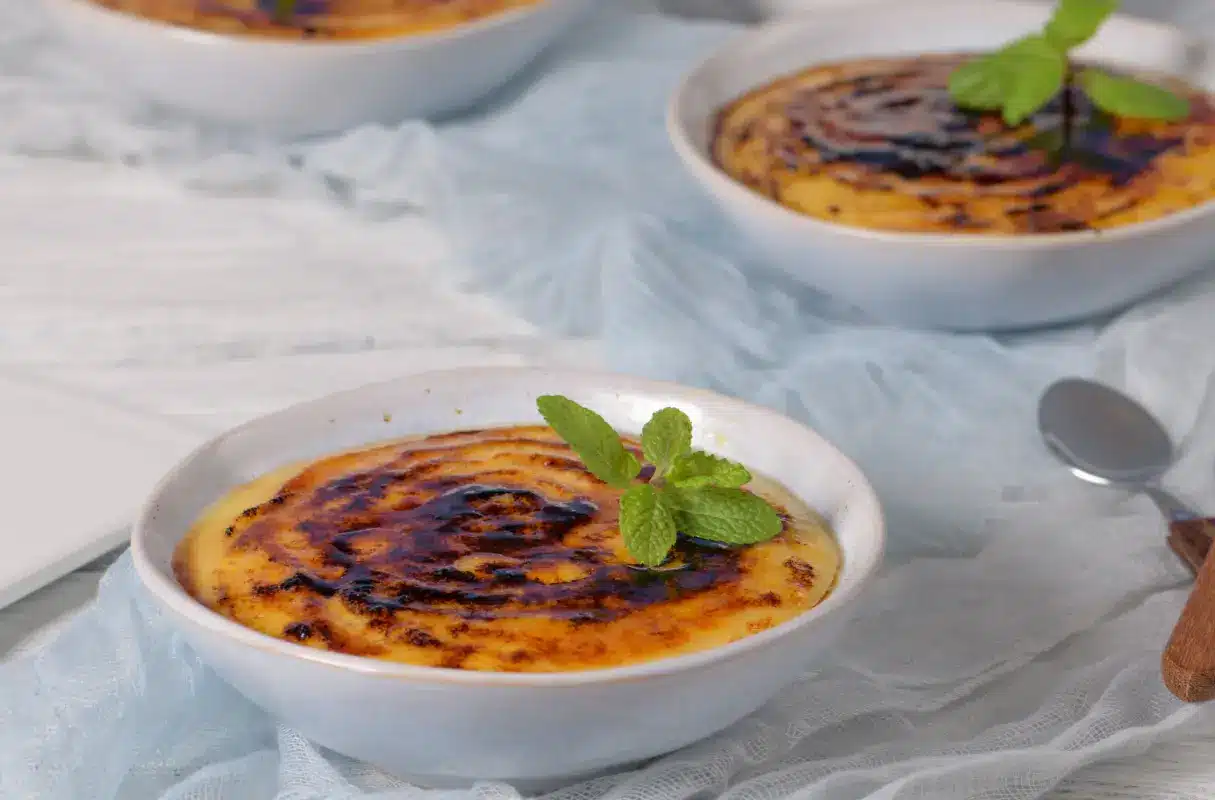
<point x="305" y="87"/>
<point x="780" y="8"/>
<point x="443" y="726"/>
<point x="952" y="281"/>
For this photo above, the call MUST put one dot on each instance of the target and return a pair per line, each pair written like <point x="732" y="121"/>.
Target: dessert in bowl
<point x="328" y="66"/>
<point x="422" y="574"/>
<point x="833" y="142"/>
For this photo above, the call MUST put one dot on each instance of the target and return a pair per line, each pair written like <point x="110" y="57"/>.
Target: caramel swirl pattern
<point x="879" y="143"/>
<point x="483" y="550"/>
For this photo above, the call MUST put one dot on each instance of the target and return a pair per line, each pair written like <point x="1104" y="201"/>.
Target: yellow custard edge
<point x="246" y="545"/>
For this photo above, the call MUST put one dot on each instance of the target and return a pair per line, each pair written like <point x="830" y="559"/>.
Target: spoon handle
<point x="1169" y="504"/>
<point x="1191" y="548"/>
<point x="1188" y="665"/>
<point x="1189" y="534"/>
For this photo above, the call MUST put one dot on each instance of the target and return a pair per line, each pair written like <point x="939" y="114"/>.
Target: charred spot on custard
<point x="759" y="625"/>
<point x="557" y="463"/>
<point x="803" y="572"/>
<point x="299" y="631"/>
<point x="457" y="657"/>
<point x="420" y="638"/>
<point x="509" y="575"/>
<point x="446" y="573"/>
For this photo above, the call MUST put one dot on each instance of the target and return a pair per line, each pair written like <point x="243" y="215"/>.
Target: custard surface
<point x="319" y="19"/>
<point x="879" y="144"/>
<point x="484" y="550"/>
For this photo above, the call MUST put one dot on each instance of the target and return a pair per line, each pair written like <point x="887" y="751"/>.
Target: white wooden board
<point x="73" y="470"/>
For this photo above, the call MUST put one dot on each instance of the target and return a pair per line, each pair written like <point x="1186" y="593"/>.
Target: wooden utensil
<point x="1188" y="665"/>
<point x="1190" y="540"/>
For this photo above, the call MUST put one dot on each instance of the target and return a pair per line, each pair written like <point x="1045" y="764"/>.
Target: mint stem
<point x="284" y="11"/>
<point x="1068" y="110"/>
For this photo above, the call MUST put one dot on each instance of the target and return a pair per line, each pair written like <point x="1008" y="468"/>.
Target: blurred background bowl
<point x="300" y="87"/>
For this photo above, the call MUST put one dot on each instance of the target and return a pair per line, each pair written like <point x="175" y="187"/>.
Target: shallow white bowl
<point x="953" y="281"/>
<point x="300" y="88"/>
<point x="442" y="726"/>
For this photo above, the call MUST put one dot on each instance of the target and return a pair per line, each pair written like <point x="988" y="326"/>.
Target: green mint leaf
<point x="1127" y="97"/>
<point x="592" y="438"/>
<point x="698" y="469"/>
<point x="666" y="437"/>
<point x="719" y="514"/>
<point x="1076" y="21"/>
<point x="1018" y="79"/>
<point x="647" y="525"/>
<point x="1034" y="71"/>
<point x="978" y="84"/>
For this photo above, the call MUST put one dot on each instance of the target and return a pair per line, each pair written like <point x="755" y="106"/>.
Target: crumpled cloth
<point x="1016" y="633"/>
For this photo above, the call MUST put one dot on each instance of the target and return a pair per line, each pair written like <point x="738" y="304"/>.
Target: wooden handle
<point x="1190" y="540"/>
<point x="1188" y="666"/>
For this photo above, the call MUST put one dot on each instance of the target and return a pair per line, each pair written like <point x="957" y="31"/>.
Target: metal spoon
<point x="1109" y="439"/>
<point x="1106" y="438"/>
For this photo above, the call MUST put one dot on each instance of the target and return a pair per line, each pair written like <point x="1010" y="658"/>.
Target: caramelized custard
<point x="484" y="550"/>
<point x="318" y="19"/>
<point x="879" y="144"/>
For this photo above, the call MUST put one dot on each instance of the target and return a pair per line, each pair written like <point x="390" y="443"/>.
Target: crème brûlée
<point x="879" y="144"/>
<point x="489" y="550"/>
<point x="318" y="19"/>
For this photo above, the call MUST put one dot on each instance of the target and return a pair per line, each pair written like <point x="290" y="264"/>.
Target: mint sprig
<point x="691" y="492"/>
<point x="1020" y="78"/>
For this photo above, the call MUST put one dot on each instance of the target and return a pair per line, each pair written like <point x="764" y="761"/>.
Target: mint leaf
<point x="719" y="514"/>
<point x="1127" y="97"/>
<point x="592" y="438"/>
<point x="666" y="437"/>
<point x="1033" y="72"/>
<point x="699" y="469"/>
<point x="1076" y="21"/>
<point x="647" y="525"/>
<point x="978" y="84"/>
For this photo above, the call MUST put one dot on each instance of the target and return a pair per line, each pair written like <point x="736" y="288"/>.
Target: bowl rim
<point x="701" y="165"/>
<point x="409" y="41"/>
<point x="861" y="570"/>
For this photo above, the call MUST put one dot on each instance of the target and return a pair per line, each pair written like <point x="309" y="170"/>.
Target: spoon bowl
<point x="1103" y="436"/>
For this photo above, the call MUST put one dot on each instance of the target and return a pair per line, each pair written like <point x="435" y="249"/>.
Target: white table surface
<point x="122" y="285"/>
